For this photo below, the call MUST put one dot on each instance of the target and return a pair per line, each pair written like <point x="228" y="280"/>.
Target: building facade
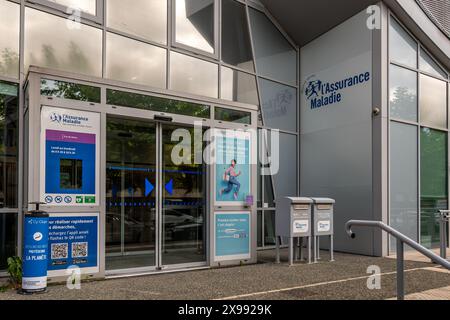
<point x="97" y="95"/>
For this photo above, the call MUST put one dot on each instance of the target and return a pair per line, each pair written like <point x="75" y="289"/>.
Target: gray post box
<point x="323" y="210"/>
<point x="293" y="221"/>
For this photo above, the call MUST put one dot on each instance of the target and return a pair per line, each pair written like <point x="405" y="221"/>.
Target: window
<point x="236" y="46"/>
<point x="140" y="101"/>
<point x="275" y="57"/>
<point x="9" y="134"/>
<point x="8" y="238"/>
<point x="195" y="24"/>
<point x="89" y="9"/>
<point x="238" y="86"/>
<point x="402" y="47"/>
<point x="194" y="76"/>
<point x="403" y="181"/>
<point x="433" y="102"/>
<point x="427" y="64"/>
<point x="403" y="93"/>
<point x="58" y="43"/>
<point x="433" y="183"/>
<point x="134" y="61"/>
<point x="67" y="90"/>
<point x="279" y="105"/>
<point x="222" y="114"/>
<point x="9" y="40"/>
<point x="142" y="18"/>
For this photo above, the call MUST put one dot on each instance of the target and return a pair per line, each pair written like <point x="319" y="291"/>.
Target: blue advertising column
<point x="35" y="251"/>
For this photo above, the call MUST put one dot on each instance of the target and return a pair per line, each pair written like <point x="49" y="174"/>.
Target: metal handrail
<point x="401" y="240"/>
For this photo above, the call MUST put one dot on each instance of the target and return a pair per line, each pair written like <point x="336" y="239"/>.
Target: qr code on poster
<point x="59" y="250"/>
<point x="79" y="250"/>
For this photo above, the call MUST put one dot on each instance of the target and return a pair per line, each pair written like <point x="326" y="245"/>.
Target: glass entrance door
<point x="130" y="194"/>
<point x="155" y="196"/>
<point x="183" y="199"/>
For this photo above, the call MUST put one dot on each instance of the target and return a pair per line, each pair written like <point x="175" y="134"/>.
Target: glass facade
<point x="59" y="43"/>
<point x="141" y="18"/>
<point x="9" y="41"/>
<point x="133" y="61"/>
<point x="160" y="44"/>
<point x="418" y="139"/>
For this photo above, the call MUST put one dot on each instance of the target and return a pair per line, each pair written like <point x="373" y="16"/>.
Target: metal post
<point x="318" y="248"/>
<point x="331" y="248"/>
<point x="277" y="243"/>
<point x="309" y="249"/>
<point x="400" y="271"/>
<point x="301" y="249"/>
<point x="291" y="250"/>
<point x="443" y="219"/>
<point x="315" y="250"/>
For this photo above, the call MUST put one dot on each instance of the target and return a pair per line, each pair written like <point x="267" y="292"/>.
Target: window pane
<point x="238" y="86"/>
<point x="88" y="6"/>
<point x="429" y="65"/>
<point x="194" y="24"/>
<point x="433" y="102"/>
<point x="433" y="183"/>
<point x="236" y="47"/>
<point x="142" y="18"/>
<point x="9" y="134"/>
<point x="285" y="180"/>
<point x="8" y="238"/>
<point x="194" y="76"/>
<point x="59" y="43"/>
<point x="140" y="101"/>
<point x="275" y="57"/>
<point x="269" y="228"/>
<point x="403" y="48"/>
<point x="229" y="115"/>
<point x="67" y="90"/>
<point x="134" y="61"/>
<point x="403" y="93"/>
<point x="9" y="40"/>
<point x="404" y="181"/>
<point x="279" y="105"/>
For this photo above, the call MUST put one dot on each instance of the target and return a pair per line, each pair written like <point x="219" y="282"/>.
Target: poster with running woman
<point x="232" y="167"/>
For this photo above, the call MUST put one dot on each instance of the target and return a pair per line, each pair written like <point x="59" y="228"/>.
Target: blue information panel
<point x="232" y="235"/>
<point x="73" y="241"/>
<point x="35" y="253"/>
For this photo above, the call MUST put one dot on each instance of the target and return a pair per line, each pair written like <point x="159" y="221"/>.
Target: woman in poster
<point x="230" y="176"/>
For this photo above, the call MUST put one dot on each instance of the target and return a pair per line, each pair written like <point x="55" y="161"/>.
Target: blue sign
<point x="232" y="235"/>
<point x="70" y="163"/>
<point x="73" y="241"/>
<point x="35" y="253"/>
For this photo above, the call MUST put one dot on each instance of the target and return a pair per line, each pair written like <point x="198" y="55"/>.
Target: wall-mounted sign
<point x="232" y="161"/>
<point x="70" y="151"/>
<point x="73" y="241"/>
<point x="232" y="236"/>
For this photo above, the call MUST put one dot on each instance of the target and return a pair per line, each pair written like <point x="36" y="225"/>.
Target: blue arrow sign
<point x="169" y="187"/>
<point x="148" y="187"/>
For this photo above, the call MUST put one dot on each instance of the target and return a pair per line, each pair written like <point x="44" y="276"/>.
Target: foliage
<point x="15" y="271"/>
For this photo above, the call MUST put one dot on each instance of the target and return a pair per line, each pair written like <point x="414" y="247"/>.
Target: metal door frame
<point x="31" y="180"/>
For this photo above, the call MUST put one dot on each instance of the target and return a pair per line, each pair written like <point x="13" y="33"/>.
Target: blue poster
<point x="232" y="235"/>
<point x="73" y="154"/>
<point x="232" y="169"/>
<point x="72" y="241"/>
